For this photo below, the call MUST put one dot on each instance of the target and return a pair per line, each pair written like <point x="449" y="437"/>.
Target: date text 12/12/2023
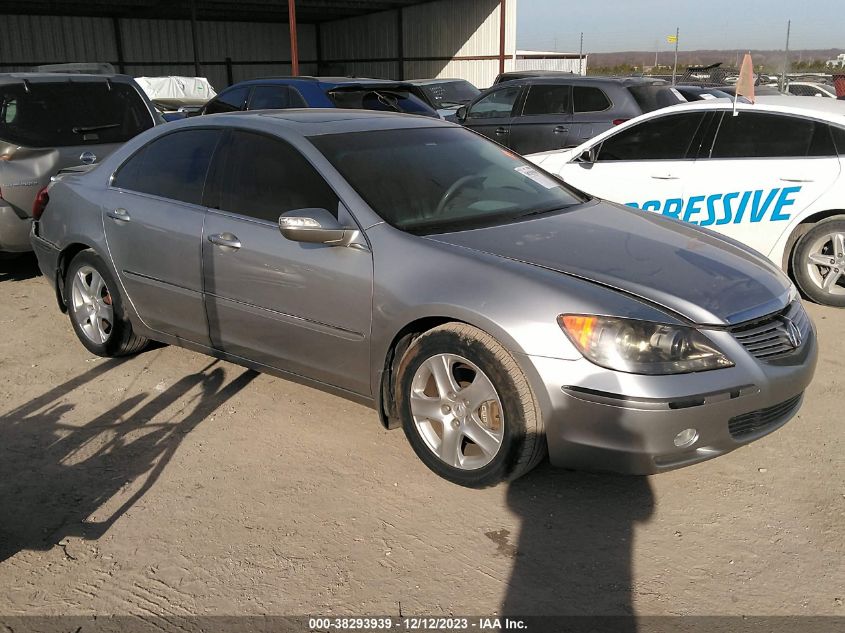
<point x="726" y="208"/>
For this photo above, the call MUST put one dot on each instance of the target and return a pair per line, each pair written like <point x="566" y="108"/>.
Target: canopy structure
<point x="232" y="40"/>
<point x="307" y="11"/>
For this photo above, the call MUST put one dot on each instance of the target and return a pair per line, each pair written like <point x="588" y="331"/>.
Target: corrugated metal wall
<point x="433" y="35"/>
<point x="155" y="47"/>
<point x="569" y="65"/>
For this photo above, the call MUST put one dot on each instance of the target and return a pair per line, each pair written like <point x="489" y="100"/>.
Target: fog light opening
<point x="685" y="438"/>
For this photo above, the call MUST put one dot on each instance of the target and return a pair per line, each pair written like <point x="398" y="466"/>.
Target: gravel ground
<point x="172" y="484"/>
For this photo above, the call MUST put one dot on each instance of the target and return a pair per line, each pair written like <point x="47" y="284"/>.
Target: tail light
<point x="41" y="201"/>
<point x="619" y="121"/>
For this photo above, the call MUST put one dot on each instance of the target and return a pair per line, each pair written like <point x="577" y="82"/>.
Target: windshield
<point x="436" y="180"/>
<point x="71" y="113"/>
<point x="451" y="93"/>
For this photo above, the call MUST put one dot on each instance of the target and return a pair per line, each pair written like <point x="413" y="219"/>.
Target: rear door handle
<point x="797" y="180"/>
<point x="501" y="130"/>
<point x="560" y="130"/>
<point x="225" y="240"/>
<point x="664" y="177"/>
<point x="121" y="215"/>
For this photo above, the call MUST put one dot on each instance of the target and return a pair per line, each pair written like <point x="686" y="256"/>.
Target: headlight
<point x="642" y="347"/>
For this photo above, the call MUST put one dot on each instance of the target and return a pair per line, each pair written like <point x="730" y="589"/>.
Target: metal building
<point x="231" y="40"/>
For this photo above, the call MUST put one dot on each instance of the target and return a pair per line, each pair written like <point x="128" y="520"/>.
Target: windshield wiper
<point x="541" y="211"/>
<point x="94" y="128"/>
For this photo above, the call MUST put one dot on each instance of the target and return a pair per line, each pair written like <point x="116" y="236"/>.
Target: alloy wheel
<point x="457" y="411"/>
<point x="92" y="305"/>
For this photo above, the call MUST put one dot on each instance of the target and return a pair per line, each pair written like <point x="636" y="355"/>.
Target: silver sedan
<point x="468" y="296"/>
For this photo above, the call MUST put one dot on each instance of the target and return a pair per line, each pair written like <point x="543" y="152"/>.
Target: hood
<point x="692" y="272"/>
<point x="553" y="161"/>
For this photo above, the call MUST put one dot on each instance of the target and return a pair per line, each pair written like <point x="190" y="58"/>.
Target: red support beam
<point x="502" y="36"/>
<point x="294" y="48"/>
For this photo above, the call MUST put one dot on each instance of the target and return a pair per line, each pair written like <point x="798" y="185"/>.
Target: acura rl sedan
<point x="410" y="264"/>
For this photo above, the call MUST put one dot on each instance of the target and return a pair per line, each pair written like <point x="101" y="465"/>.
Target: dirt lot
<point x="173" y="484"/>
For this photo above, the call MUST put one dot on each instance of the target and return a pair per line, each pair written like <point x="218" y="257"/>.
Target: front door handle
<point x="501" y="130"/>
<point x="664" y="177"/>
<point x="560" y="130"/>
<point x="796" y="180"/>
<point x="225" y="240"/>
<point x="121" y="215"/>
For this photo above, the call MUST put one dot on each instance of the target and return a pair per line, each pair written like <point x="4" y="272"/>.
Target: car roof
<point x="333" y="81"/>
<point x="426" y="82"/>
<point x="578" y="79"/>
<point x="829" y="109"/>
<point x="18" y="78"/>
<point x="320" y="121"/>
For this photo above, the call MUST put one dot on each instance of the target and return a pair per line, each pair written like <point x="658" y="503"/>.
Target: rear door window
<point x="589" y="99"/>
<point x="275" y="98"/>
<point x="265" y="177"/>
<point x="663" y="138"/>
<point x="548" y="99"/>
<point x="762" y="135"/>
<point x="838" y="138"/>
<point x="173" y="166"/>
<point x="230" y="101"/>
<point x="66" y="114"/>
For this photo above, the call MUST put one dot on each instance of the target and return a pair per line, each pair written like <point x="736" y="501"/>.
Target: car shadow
<point x="19" y="268"/>
<point x="56" y="473"/>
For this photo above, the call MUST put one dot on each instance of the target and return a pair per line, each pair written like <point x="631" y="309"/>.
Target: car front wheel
<point x="467" y="408"/>
<point x="96" y="310"/>
<point x="819" y="263"/>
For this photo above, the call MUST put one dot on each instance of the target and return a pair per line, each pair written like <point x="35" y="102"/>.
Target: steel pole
<point x="294" y="48"/>
<point x="675" y="67"/>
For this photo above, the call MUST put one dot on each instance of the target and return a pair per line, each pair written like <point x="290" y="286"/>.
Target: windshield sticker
<point x="536" y="176"/>
<point x="727" y="208"/>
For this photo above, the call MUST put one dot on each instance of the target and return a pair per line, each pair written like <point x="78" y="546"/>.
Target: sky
<point x="621" y="25"/>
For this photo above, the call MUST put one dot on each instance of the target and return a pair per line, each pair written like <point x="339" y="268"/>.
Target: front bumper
<point x="14" y="231"/>
<point x="597" y="419"/>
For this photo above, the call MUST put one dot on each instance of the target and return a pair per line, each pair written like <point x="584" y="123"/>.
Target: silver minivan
<point x="50" y="121"/>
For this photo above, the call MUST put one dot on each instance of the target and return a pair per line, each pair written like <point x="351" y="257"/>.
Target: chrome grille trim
<point x="767" y="338"/>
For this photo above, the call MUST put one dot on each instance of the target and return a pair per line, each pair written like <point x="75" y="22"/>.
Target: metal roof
<point x="217" y="10"/>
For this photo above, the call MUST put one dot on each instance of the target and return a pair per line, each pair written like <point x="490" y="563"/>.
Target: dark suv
<point x="50" y="121"/>
<point x="539" y="114"/>
<point x="279" y="93"/>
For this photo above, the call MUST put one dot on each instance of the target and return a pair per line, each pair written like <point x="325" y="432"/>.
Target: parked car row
<point x="493" y="311"/>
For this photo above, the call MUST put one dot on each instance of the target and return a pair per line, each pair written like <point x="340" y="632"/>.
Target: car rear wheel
<point x="467" y="408"/>
<point x="96" y="309"/>
<point x="819" y="263"/>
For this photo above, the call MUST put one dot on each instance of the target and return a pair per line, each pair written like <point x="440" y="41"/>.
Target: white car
<point x="770" y="177"/>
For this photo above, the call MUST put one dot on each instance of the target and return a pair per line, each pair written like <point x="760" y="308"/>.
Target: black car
<point x="539" y="114"/>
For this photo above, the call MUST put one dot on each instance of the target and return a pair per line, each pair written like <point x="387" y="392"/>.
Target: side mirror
<point x="315" y="226"/>
<point x="588" y="156"/>
<point x="461" y="114"/>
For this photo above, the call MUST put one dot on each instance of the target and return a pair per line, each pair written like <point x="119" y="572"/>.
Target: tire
<point x="96" y="309"/>
<point x="493" y="404"/>
<point x="815" y="259"/>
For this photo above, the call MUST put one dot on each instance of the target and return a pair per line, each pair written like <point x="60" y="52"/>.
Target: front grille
<point x="768" y="338"/>
<point x="760" y="420"/>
